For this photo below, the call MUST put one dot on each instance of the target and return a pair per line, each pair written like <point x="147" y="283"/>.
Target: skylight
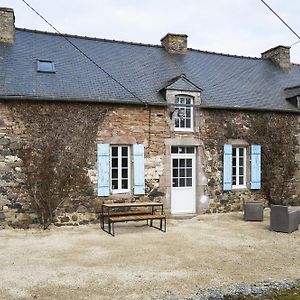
<point x="45" y="66"/>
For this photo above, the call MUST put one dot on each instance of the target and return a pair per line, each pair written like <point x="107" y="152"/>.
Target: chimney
<point x="175" y="43"/>
<point x="280" y="56"/>
<point x="7" y="25"/>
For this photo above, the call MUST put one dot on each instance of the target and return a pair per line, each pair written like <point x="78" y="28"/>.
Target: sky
<point x="240" y="27"/>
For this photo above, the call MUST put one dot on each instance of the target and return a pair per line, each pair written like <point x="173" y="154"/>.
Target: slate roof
<point x="227" y="81"/>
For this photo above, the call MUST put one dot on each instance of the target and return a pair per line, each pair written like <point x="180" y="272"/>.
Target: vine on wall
<point x="275" y="132"/>
<point x="58" y="147"/>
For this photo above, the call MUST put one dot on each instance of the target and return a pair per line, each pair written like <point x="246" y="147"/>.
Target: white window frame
<point x="237" y="167"/>
<point x="185" y="129"/>
<point x="120" y="190"/>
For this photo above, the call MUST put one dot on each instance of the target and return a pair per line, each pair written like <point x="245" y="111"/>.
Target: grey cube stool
<point x="253" y="211"/>
<point x="284" y="218"/>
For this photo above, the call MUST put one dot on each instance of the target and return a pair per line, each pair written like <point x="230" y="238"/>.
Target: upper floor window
<point x="183" y="119"/>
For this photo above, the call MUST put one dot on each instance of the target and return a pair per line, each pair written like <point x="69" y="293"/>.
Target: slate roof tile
<point x="227" y="80"/>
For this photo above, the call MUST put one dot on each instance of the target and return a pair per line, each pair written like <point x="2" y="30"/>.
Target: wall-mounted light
<point x="179" y="111"/>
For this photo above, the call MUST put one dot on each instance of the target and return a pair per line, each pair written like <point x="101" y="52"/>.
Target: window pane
<point x="188" y="172"/>
<point x="114" y="184"/>
<point x="234" y="171"/>
<point x="241" y="179"/>
<point x="177" y="123"/>
<point x="241" y="151"/>
<point x="188" y="113"/>
<point x="190" y="150"/>
<point x="188" y="123"/>
<point x="182" y="173"/>
<point x="181" y="149"/>
<point x="174" y="149"/>
<point x="114" y="173"/>
<point x="124" y="162"/>
<point x="182" y="162"/>
<point x="124" y="151"/>
<point x="234" y="161"/>
<point x="182" y="123"/>
<point x="241" y="170"/>
<point x="124" y="173"/>
<point x="188" y="101"/>
<point x="114" y="162"/>
<point x="234" y="151"/>
<point x="176" y="100"/>
<point x="175" y="182"/>
<point x="175" y="172"/>
<point x="241" y="161"/>
<point x="181" y="182"/>
<point x="114" y="151"/>
<point x="189" y="162"/>
<point x="175" y="162"/>
<point x="189" y="182"/>
<point x="233" y="180"/>
<point x="124" y="184"/>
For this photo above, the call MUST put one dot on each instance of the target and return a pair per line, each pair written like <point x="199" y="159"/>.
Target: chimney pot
<point x="175" y="43"/>
<point x="280" y="56"/>
<point x="7" y="25"/>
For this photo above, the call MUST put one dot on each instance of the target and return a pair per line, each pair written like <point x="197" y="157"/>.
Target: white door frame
<point x="183" y="199"/>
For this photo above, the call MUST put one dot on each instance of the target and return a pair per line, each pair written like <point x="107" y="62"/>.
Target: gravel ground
<point x="239" y="289"/>
<point x="209" y="253"/>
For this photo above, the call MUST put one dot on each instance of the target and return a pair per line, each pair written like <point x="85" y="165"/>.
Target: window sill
<point x="183" y="130"/>
<point x="122" y="196"/>
<point x="239" y="188"/>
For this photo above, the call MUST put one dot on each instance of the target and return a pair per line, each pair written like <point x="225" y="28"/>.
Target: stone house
<point x="118" y="121"/>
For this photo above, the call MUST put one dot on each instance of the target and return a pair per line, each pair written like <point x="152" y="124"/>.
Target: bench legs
<point x="162" y="227"/>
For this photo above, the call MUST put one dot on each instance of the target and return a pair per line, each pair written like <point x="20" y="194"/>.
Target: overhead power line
<point x="285" y="23"/>
<point x="249" y="68"/>
<point x="84" y="54"/>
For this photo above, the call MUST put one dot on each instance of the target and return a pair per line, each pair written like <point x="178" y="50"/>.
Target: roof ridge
<point x="87" y="37"/>
<point x="129" y="43"/>
<point x="225" y="54"/>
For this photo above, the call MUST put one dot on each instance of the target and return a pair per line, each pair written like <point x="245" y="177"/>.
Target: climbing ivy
<point x="275" y="132"/>
<point x="58" y="144"/>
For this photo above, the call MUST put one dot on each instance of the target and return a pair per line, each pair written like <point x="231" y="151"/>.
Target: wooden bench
<point x="145" y="217"/>
<point x="135" y="211"/>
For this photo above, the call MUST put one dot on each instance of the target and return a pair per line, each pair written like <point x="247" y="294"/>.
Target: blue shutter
<point x="255" y="167"/>
<point x="227" y="168"/>
<point x="139" y="173"/>
<point x="103" y="151"/>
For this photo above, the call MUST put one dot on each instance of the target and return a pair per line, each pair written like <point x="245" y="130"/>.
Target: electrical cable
<point x="130" y="92"/>
<point x="85" y="55"/>
<point x="289" y="27"/>
<point x="247" y="69"/>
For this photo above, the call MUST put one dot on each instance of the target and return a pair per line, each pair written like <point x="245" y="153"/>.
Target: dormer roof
<point x="181" y="83"/>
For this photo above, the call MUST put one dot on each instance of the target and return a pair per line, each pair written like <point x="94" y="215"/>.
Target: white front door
<point x="183" y="191"/>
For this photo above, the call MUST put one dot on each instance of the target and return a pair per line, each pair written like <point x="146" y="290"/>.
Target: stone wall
<point x="297" y="174"/>
<point x="129" y="124"/>
<point x="275" y="132"/>
<point x="122" y="125"/>
<point x="14" y="206"/>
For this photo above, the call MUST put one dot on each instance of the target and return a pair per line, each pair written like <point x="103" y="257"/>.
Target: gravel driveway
<point x="143" y="263"/>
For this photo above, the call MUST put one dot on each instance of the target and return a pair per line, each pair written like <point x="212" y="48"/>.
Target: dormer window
<point x="45" y="66"/>
<point x="183" y="119"/>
